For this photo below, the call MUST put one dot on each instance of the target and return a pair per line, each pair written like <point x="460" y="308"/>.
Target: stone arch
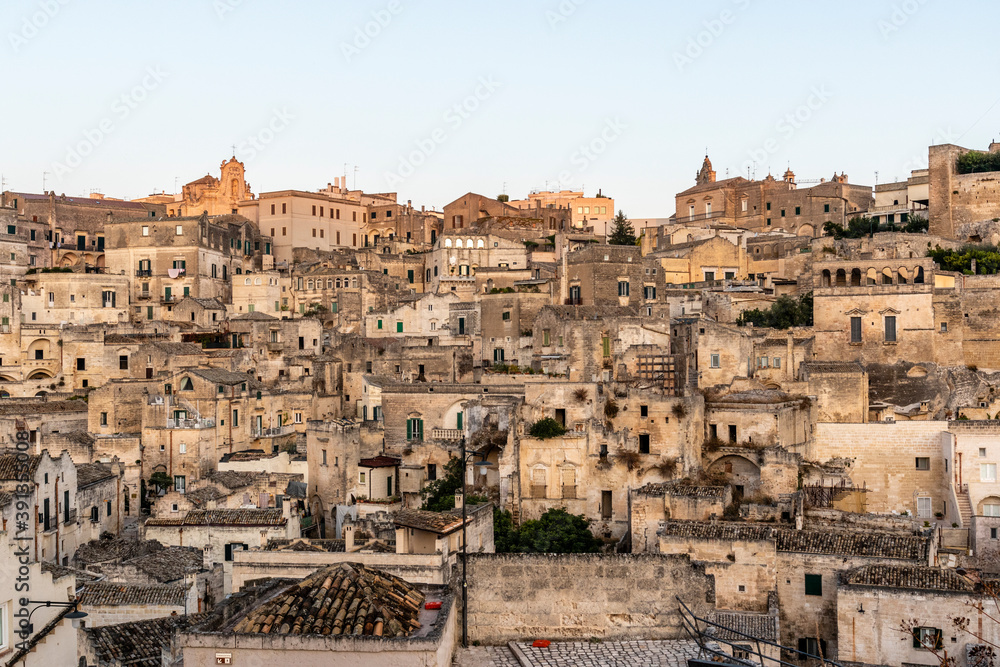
<point x="902" y="276"/>
<point x="824" y="280"/>
<point x="68" y="260"/>
<point x="447" y="243"/>
<point x="918" y="276"/>
<point x="740" y="470"/>
<point x="40" y="374"/>
<point x="886" y="277"/>
<point x="855" y="277"/>
<point x="40" y="345"/>
<point x="841" y="277"/>
<point x="872" y="277"/>
<point x="806" y="230"/>
<point x="993" y="502"/>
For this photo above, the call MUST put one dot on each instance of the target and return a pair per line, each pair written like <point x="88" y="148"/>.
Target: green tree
<point x="543" y="429"/>
<point x="439" y="495"/>
<point x="623" y="233"/>
<point x="986" y="257"/>
<point x="559" y="532"/>
<point x="504" y="533"/>
<point x="161" y="480"/>
<point x="786" y="312"/>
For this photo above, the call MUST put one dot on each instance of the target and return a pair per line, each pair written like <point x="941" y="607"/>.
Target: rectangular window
<point x="643" y="410"/>
<point x="814" y="584"/>
<point x="982" y="452"/>
<point x="924" y="508"/>
<point x="236" y="418"/>
<point x="927" y="638"/>
<point x="545" y="337"/>
<point x="432" y="472"/>
<point x="798" y="210"/>
<point x="123" y="362"/>
<point x="606" y="346"/>
<point x="399" y="327"/>
<point x="506" y="316"/>
<point x="715" y="361"/>
<point x="923" y="463"/>
<point x="606" y="509"/>
<point x="890" y="328"/>
<point x="644" y="443"/>
<point x="81" y="364"/>
<point x="855" y="329"/>
<point x="104" y="419"/>
<point x="709" y="276"/>
<point x="415" y="429"/>
<point x="623" y="288"/>
<point x="987" y="472"/>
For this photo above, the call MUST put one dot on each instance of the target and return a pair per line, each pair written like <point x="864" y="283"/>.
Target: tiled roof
<point x="5" y="499"/>
<point x="17" y="408"/>
<point x="716" y="530"/>
<point x="303" y="544"/>
<point x="434" y="522"/>
<point x="103" y="594"/>
<point x="868" y="544"/>
<point x="875" y="545"/>
<point x="229" y="517"/>
<point x="233" y="479"/>
<point x="9" y="466"/>
<point x="178" y="349"/>
<point x="909" y="576"/>
<point x="137" y="644"/>
<point x="256" y="316"/>
<point x="116" y="549"/>
<point x="761" y="626"/>
<point x="58" y="572"/>
<point x="345" y="599"/>
<point x="199" y="497"/>
<point x="220" y="376"/>
<point x="380" y="462"/>
<point x="88" y="474"/>
<point x="170" y="564"/>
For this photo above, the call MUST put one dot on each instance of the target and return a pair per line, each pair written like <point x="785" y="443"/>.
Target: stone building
<point x="172" y="258"/>
<point x="111" y="603"/>
<point x="771" y="205"/>
<point x="956" y="199"/>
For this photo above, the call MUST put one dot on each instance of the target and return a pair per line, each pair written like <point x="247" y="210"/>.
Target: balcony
<point x="143" y="273"/>
<point x="275" y="346"/>
<point x="145" y="296"/>
<point x="169" y="298"/>
<point x="446" y="433"/>
<point x="70" y="517"/>
<point x="273" y="432"/>
<point x="190" y="423"/>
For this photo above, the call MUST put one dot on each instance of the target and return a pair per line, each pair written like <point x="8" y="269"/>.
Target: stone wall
<point x="574" y="596"/>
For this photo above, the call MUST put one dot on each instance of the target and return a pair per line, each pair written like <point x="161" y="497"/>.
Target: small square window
<point x="814" y="584"/>
<point x="923" y="463"/>
<point x="982" y="452"/>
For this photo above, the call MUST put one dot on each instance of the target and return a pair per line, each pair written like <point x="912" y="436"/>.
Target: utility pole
<point x="356" y="176"/>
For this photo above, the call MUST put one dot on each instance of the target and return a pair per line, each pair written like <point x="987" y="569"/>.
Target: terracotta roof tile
<point x="435" y="522"/>
<point x="137" y="644"/>
<point x="909" y="576"/>
<point x="344" y="599"/>
<point x="226" y="517"/>
<point x="104" y="594"/>
<point x="88" y="474"/>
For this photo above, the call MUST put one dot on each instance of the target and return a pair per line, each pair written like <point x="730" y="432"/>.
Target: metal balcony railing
<point x="190" y="423"/>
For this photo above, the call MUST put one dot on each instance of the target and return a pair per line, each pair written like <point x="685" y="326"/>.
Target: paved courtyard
<point x="582" y="654"/>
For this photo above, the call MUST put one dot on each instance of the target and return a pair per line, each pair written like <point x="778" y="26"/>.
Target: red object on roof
<point x="380" y="462"/>
<point x="541" y="643"/>
<point x="432" y="605"/>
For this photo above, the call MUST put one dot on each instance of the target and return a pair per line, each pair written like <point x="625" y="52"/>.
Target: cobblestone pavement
<point x="485" y="656"/>
<point x="584" y="654"/>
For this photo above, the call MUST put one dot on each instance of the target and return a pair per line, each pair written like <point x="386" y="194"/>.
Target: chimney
<point x="348" y="537"/>
<point x="458" y="499"/>
<point x="421" y="209"/>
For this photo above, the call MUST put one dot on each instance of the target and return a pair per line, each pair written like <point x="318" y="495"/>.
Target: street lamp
<point x="482" y="465"/>
<point x="73" y="616"/>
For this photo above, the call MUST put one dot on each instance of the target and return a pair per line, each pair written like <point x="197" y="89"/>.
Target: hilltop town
<point x="326" y="426"/>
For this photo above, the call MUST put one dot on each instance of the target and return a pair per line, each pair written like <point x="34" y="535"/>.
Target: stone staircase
<point x="964" y="507"/>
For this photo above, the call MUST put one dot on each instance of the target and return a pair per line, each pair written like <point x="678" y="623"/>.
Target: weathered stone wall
<point x="573" y="596"/>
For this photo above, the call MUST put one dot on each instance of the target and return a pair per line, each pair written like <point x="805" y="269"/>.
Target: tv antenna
<point x="45" y="176"/>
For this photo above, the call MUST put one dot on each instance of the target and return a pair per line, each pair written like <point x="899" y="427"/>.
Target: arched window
<point x="825" y="278"/>
<point x="918" y="277"/>
<point x="447" y="243"/>
<point x="841" y="278"/>
<point x="480" y="244"/>
<point x="872" y="277"/>
<point x="902" y="276"/>
<point x="458" y="243"/>
<point x="856" y="277"/>
<point x="246" y="282"/>
<point x="886" y="276"/>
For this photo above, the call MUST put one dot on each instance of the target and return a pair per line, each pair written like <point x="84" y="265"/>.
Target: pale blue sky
<point x="884" y="79"/>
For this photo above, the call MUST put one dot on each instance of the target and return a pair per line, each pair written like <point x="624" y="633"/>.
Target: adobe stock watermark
<point x="788" y="125"/>
<point x="370" y="31"/>
<point x="942" y="136"/>
<point x="454" y="118"/>
<point x="712" y="30"/>
<point x="563" y="12"/>
<point x="33" y="24"/>
<point x="122" y="107"/>
<point x="588" y="153"/>
<point x="899" y="16"/>
<point x="255" y="144"/>
<point x="223" y="7"/>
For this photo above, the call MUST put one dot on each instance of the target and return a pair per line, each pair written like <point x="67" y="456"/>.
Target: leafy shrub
<point x="679" y="410"/>
<point x="785" y="313"/>
<point x="581" y="395"/>
<point x="611" y="408"/>
<point x="543" y="429"/>
<point x="977" y="162"/>
<point x="557" y="531"/>
<point x="987" y="258"/>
